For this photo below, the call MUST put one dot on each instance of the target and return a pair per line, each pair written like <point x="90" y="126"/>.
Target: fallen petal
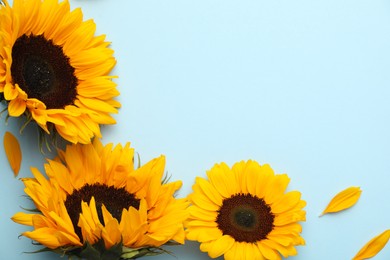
<point x="373" y="247"/>
<point x="13" y="152"/>
<point x="343" y="200"/>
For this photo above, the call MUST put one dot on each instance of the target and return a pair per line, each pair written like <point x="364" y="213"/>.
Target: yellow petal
<point x="209" y="190"/>
<point x="343" y="200"/>
<point x="13" y="152"/>
<point x="111" y="233"/>
<point x="223" y="180"/>
<point x="204" y="234"/>
<point x="10" y="92"/>
<point x="16" y="107"/>
<point x="220" y="246"/>
<point x="268" y="252"/>
<point x="23" y="218"/>
<point x="46" y="236"/>
<point x="373" y="247"/>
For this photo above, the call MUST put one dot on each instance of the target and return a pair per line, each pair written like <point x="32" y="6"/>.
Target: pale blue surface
<point x="302" y="85"/>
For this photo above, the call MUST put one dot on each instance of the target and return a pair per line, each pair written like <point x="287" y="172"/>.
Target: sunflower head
<point x="94" y="204"/>
<point x="244" y="212"/>
<point x="54" y="70"/>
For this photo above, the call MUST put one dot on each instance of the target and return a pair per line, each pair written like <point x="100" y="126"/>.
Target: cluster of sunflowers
<point x="95" y="201"/>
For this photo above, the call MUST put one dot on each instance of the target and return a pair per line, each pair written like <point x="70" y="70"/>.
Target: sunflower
<point x="54" y="70"/>
<point x="96" y="204"/>
<point x="243" y="212"/>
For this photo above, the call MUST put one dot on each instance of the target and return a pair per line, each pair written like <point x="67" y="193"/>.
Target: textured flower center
<point x="246" y="218"/>
<point x="43" y="71"/>
<point x="114" y="199"/>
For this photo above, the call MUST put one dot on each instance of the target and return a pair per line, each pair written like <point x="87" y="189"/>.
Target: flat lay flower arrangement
<point x="92" y="198"/>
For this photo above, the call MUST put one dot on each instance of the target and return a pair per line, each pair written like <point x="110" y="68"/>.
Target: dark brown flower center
<point x="114" y="199"/>
<point x="246" y="218"/>
<point x="43" y="71"/>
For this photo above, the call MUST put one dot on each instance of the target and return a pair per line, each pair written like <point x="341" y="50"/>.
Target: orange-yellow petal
<point x="10" y="92"/>
<point x="50" y="237"/>
<point x="373" y="247"/>
<point x="111" y="232"/>
<point x="204" y="234"/>
<point x="16" y="107"/>
<point x="343" y="200"/>
<point x="268" y="252"/>
<point x="13" y="152"/>
<point x="23" y="218"/>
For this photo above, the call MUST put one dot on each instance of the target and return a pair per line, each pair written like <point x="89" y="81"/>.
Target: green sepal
<point x="117" y="252"/>
<point x="134" y="253"/>
<point x="60" y="250"/>
<point x="31" y="210"/>
<point x="3" y="111"/>
<point x="87" y="252"/>
<point x="98" y="251"/>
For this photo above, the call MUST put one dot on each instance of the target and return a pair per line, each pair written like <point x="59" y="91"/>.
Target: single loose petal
<point x="343" y="200"/>
<point x="13" y="152"/>
<point x="373" y="247"/>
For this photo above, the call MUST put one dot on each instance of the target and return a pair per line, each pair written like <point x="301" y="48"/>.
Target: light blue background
<point x="300" y="84"/>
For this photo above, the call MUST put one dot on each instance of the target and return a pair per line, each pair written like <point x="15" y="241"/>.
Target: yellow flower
<point x="243" y="212"/>
<point x="54" y="70"/>
<point x="94" y="198"/>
